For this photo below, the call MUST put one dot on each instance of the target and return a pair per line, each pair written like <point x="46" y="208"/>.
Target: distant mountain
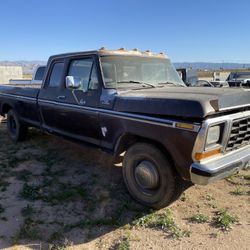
<point x="28" y="66"/>
<point x="211" y="66"/>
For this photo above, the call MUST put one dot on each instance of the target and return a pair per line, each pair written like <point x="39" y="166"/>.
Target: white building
<point x="10" y="72"/>
<point x="221" y="75"/>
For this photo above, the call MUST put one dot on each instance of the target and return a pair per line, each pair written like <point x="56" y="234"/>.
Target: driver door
<point x="76" y="115"/>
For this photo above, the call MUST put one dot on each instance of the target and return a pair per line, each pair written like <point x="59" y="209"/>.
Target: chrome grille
<point x="240" y="134"/>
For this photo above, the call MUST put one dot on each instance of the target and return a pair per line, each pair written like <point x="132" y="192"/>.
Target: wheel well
<point x="124" y="142"/>
<point x="127" y="140"/>
<point x="5" y="108"/>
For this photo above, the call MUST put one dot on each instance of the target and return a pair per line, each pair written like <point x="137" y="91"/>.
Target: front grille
<point x="240" y="134"/>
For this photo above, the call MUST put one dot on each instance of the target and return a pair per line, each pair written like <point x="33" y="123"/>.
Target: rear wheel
<point x="16" y="130"/>
<point x="149" y="176"/>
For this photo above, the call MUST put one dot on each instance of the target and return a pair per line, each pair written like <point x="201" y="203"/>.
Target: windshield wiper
<point x="169" y="83"/>
<point x="137" y="82"/>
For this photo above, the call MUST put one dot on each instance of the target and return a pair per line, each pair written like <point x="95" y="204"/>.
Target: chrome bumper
<point x="221" y="167"/>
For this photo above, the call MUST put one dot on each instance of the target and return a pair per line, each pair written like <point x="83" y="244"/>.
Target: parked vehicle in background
<point x="203" y="83"/>
<point x="219" y="84"/>
<point x="37" y="77"/>
<point x="135" y="103"/>
<point x="188" y="76"/>
<point x="239" y="79"/>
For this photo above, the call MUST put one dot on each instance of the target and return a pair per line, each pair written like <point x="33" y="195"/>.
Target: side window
<point x="56" y="75"/>
<point x="85" y="71"/>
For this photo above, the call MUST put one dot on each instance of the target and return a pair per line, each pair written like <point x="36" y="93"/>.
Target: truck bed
<point x="19" y="81"/>
<point x="25" y="90"/>
<point x="23" y="100"/>
<point x="24" y="85"/>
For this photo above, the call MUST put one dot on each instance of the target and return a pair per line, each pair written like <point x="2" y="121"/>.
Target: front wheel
<point x="149" y="176"/>
<point x="16" y="130"/>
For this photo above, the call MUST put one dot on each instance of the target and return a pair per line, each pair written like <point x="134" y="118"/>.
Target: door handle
<point x="61" y="97"/>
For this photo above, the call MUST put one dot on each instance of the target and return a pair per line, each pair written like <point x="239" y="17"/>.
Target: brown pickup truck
<point x="135" y="102"/>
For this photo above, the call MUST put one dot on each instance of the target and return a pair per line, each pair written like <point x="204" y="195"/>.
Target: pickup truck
<point x="239" y="79"/>
<point x="134" y="104"/>
<point x="189" y="76"/>
<point x="37" y="77"/>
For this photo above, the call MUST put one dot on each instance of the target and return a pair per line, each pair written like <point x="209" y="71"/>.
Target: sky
<point x="186" y="30"/>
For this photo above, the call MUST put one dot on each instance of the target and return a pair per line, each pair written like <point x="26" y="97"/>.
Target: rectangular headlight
<point x="211" y="138"/>
<point x="214" y="135"/>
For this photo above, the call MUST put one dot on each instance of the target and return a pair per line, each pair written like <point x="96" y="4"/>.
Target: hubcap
<point x="146" y="175"/>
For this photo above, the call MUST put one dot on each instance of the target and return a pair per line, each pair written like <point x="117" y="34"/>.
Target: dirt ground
<point x="58" y="195"/>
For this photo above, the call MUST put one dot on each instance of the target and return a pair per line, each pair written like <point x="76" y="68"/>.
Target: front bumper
<point x="221" y="167"/>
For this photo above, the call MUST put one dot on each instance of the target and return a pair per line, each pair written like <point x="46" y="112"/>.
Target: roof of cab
<point x="105" y="52"/>
<point x="133" y="52"/>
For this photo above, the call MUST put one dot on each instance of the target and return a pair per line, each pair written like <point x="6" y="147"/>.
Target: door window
<point x="85" y="71"/>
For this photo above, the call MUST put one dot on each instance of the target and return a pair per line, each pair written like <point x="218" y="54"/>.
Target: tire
<point x="16" y="130"/>
<point x="149" y="176"/>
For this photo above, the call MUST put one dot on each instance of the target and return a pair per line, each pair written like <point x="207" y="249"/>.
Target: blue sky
<point x="194" y="30"/>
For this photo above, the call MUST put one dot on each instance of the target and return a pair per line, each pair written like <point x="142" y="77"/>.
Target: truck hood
<point x="189" y="102"/>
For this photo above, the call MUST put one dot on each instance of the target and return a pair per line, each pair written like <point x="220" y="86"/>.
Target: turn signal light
<point x="184" y="125"/>
<point x="200" y="156"/>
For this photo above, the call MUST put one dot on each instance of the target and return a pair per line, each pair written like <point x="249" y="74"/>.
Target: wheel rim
<point x="146" y="175"/>
<point x="12" y="125"/>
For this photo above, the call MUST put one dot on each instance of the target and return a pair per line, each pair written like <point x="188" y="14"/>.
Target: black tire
<point x="149" y="176"/>
<point x="16" y="130"/>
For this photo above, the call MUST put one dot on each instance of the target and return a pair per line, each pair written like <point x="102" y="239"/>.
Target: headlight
<point x="213" y="135"/>
<point x="211" y="138"/>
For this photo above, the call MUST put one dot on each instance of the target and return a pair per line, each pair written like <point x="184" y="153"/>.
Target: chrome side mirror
<point x="73" y="82"/>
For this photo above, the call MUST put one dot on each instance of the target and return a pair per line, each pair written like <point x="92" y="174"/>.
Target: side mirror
<point x="73" y="82"/>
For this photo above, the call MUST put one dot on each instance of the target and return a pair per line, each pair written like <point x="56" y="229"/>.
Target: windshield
<point x="129" y="71"/>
